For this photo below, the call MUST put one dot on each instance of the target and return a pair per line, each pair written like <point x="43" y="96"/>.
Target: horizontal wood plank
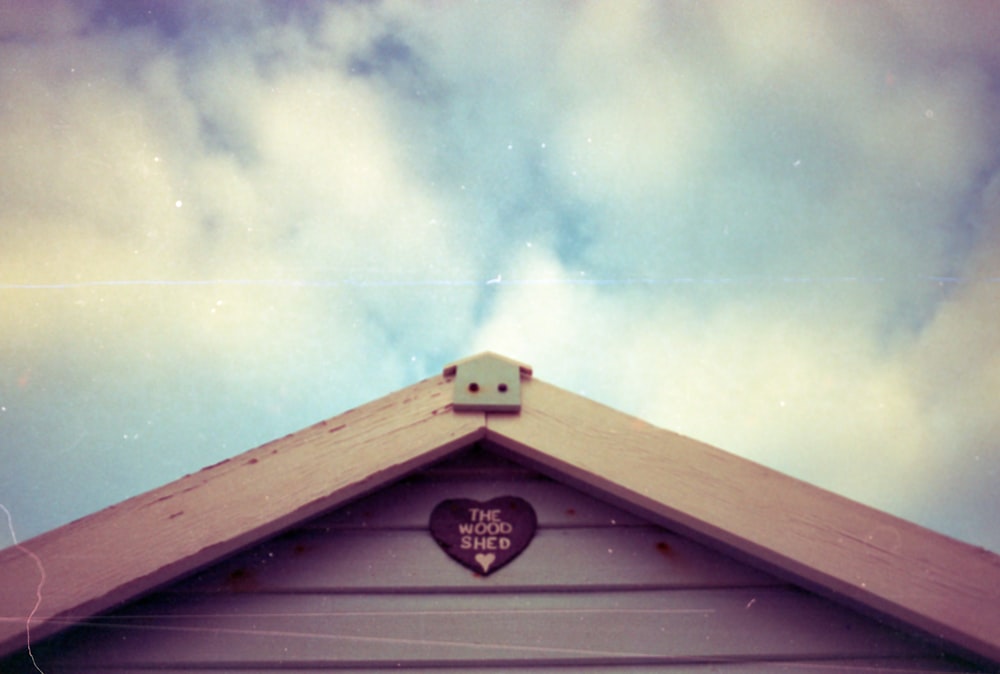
<point x="845" y="549"/>
<point x="408" y="504"/>
<point x="406" y="561"/>
<point x="538" y="628"/>
<point x="822" y="666"/>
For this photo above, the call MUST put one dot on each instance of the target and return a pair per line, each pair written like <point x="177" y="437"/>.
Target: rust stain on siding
<point x="242" y="580"/>
<point x="664" y="549"/>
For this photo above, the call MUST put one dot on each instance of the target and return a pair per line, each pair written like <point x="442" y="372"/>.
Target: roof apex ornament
<point x="487" y="382"/>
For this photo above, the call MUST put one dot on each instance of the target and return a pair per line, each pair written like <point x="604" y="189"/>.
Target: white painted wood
<point x="487" y="383"/>
<point x="517" y="629"/>
<point x="898" y="569"/>
<point x="409" y="560"/>
<point x="130" y="548"/>
<point x="407" y="505"/>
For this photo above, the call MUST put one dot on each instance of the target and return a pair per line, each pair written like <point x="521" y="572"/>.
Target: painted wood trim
<point x="130" y="548"/>
<point x="849" y="551"/>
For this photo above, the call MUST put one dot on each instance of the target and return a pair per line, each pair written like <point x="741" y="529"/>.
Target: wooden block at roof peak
<point x="487" y="382"/>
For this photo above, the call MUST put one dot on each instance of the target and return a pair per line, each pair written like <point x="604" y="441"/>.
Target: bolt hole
<point x="502" y="387"/>
<point x="473" y="387"/>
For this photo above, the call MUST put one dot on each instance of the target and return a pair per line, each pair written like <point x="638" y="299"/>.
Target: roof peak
<point x="449" y="370"/>
<point x="487" y="382"/>
<point x="829" y="544"/>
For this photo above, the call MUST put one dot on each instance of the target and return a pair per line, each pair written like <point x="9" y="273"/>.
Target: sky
<point x="773" y="227"/>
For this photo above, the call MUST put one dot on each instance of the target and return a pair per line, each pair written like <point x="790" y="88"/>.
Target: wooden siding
<point x="365" y="588"/>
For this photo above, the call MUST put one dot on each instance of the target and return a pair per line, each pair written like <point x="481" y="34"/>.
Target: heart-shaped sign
<point x="484" y="537"/>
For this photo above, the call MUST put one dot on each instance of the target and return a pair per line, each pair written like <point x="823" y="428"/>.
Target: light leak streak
<point x="122" y="620"/>
<point x="499" y="281"/>
<point x="472" y="646"/>
<point x="38" y="590"/>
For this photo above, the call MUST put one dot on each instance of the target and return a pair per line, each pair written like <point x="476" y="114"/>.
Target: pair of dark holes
<point x="474" y="387"/>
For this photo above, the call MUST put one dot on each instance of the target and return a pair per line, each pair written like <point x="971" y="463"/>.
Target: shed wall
<point x="366" y="588"/>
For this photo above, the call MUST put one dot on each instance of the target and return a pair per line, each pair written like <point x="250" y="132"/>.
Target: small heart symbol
<point x="483" y="536"/>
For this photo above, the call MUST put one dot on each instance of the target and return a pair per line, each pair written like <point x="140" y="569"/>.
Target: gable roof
<point x="848" y="551"/>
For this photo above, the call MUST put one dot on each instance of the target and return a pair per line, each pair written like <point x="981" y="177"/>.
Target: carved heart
<point x="485" y="561"/>
<point x="483" y="537"/>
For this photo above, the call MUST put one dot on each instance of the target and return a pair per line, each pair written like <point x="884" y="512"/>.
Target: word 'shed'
<point x="484" y="537"/>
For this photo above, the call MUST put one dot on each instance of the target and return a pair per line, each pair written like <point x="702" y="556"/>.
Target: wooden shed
<point x="485" y="521"/>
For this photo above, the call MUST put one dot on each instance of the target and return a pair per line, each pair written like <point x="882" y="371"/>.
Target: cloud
<point x="784" y="389"/>
<point x="781" y="150"/>
<point x="771" y="227"/>
<point x="142" y="169"/>
<point x="43" y="19"/>
<point x="954" y="370"/>
<point x="188" y="234"/>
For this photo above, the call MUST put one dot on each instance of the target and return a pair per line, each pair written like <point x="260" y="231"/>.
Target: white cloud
<point x="812" y="397"/>
<point x="724" y="218"/>
<point x="124" y="181"/>
<point x="955" y="362"/>
<point x="152" y="172"/>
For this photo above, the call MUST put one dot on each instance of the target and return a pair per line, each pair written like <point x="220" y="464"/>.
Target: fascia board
<point x="862" y="556"/>
<point x="131" y="548"/>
